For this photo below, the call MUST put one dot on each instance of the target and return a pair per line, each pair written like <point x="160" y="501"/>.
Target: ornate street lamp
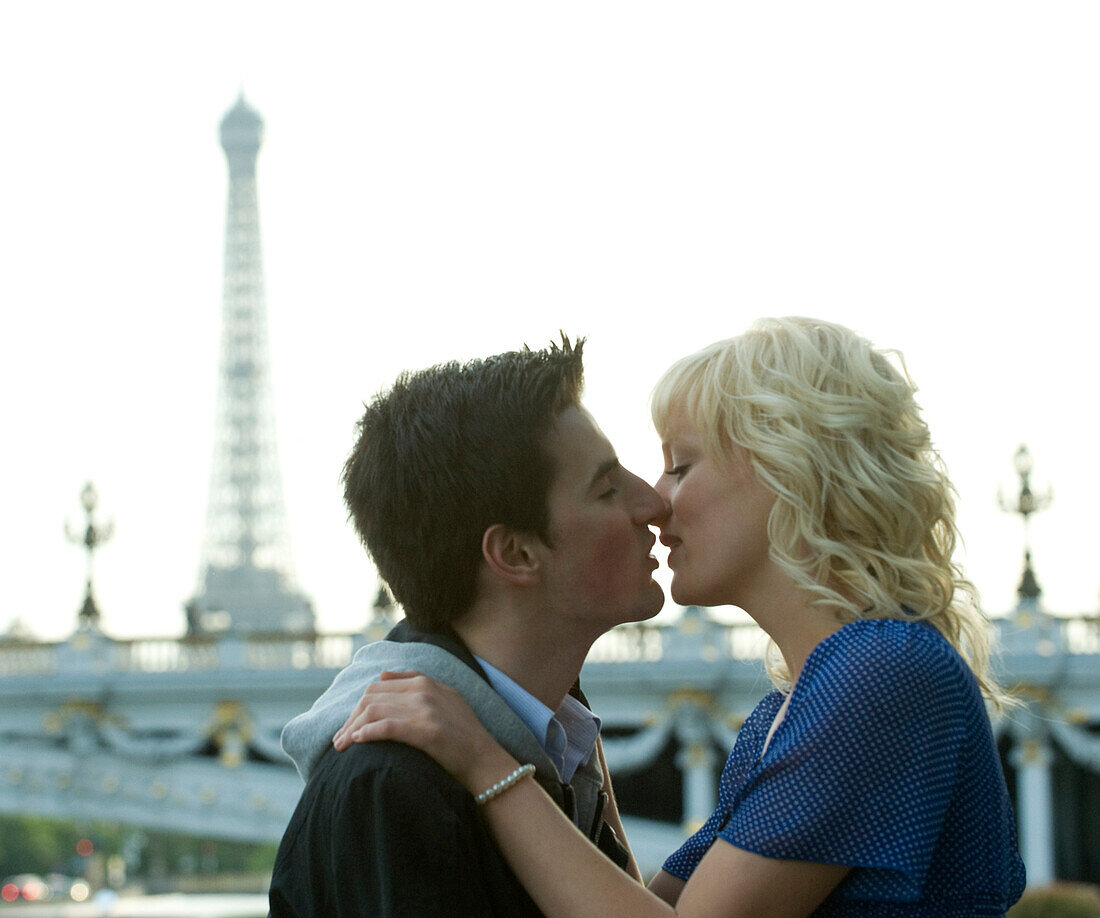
<point x="91" y="538"/>
<point x="1026" y="503"/>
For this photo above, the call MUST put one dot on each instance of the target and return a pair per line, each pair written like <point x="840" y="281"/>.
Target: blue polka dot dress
<point x="885" y="761"/>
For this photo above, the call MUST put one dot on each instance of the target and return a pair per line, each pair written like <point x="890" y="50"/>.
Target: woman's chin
<point x="686" y="594"/>
<point x="681" y="595"/>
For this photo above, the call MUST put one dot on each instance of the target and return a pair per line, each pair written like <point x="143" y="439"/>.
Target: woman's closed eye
<point x="678" y="471"/>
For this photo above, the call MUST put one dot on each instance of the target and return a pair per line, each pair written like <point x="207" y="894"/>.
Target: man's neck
<point x="534" y="657"/>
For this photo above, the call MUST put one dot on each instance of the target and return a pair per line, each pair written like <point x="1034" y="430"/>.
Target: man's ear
<point x="511" y="555"/>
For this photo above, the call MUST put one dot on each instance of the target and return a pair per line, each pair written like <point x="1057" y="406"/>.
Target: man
<point x="499" y="517"/>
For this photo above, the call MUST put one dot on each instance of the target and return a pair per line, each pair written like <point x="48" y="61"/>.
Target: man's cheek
<point x="611" y="564"/>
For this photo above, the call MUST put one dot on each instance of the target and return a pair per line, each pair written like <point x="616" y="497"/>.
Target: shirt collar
<point x="568" y="735"/>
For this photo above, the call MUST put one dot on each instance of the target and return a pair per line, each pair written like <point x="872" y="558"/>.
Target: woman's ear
<point x="511" y="555"/>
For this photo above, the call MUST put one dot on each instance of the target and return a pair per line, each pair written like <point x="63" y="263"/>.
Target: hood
<point x="308" y="736"/>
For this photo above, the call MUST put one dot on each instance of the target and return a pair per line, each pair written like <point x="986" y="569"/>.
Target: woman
<point x="802" y="486"/>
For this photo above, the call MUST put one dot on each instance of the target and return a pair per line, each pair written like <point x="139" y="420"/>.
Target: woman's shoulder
<point x="887" y="654"/>
<point x="885" y="681"/>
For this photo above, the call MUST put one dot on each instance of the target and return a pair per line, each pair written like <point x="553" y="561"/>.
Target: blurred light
<point x="88" y="497"/>
<point x="80" y="891"/>
<point x="1023" y="462"/>
<point x="84" y="847"/>
<point x="32" y="890"/>
<point x="10" y="892"/>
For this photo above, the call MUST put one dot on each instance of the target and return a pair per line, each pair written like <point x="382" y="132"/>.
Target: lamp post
<point x="91" y="538"/>
<point x="1032" y="755"/>
<point x="1026" y="503"/>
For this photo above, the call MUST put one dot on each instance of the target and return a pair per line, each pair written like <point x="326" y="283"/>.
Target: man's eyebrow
<point x="604" y="468"/>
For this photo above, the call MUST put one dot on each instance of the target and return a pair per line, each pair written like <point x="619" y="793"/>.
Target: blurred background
<point x="443" y="181"/>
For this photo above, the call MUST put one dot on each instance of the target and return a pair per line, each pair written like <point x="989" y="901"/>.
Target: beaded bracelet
<point x="504" y="783"/>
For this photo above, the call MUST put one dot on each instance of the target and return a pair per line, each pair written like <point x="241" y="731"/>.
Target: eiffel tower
<point x="246" y="584"/>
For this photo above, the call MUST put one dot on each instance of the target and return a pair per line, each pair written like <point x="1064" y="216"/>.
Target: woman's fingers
<point x="422" y="695"/>
<point x="392" y="679"/>
<point x="401" y="709"/>
<point x="414" y="709"/>
<point x="340" y="740"/>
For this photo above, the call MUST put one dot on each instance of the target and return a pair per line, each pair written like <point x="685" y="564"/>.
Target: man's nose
<point x="652" y="507"/>
<point x="663" y="486"/>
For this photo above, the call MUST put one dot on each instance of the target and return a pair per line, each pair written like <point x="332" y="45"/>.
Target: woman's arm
<point x="560" y="870"/>
<point x="559" y="867"/>
<point x="667" y="887"/>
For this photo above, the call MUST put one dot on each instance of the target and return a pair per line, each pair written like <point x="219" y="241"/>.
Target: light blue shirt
<point x="568" y="735"/>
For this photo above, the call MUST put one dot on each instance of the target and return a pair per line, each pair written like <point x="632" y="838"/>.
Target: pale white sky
<point x="446" y="179"/>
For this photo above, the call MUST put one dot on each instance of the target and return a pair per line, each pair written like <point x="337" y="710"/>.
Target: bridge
<point x="182" y="735"/>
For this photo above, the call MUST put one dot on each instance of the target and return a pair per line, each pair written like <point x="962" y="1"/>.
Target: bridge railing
<point x="694" y="637"/>
<point x="254" y="652"/>
<point x="1083" y="634"/>
<point x="164" y="656"/>
<point x="709" y="641"/>
<point x="20" y="658"/>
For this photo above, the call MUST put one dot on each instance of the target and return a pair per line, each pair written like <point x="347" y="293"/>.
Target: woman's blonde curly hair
<point x="864" y="517"/>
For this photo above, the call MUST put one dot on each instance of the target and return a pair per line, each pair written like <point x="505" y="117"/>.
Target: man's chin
<point x="646" y="607"/>
<point x="653" y="606"/>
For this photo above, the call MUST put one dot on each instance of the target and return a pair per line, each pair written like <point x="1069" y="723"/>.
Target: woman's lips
<point x="672" y="543"/>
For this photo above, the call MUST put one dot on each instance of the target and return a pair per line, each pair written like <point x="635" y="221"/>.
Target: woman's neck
<point x="797" y="626"/>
